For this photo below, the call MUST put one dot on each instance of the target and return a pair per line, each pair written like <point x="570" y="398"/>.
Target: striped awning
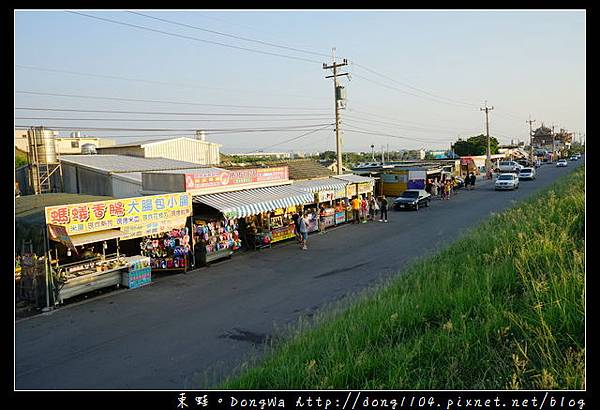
<point x="248" y="202"/>
<point x="317" y="185"/>
<point x="354" y="179"/>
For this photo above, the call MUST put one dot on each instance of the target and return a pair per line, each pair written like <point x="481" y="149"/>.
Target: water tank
<point x="88" y="149"/>
<point x="201" y="135"/>
<point x="76" y="134"/>
<point x="45" y="144"/>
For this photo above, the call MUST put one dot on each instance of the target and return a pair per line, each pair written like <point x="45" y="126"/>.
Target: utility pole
<point x="553" y="144"/>
<point x="382" y="156"/>
<point x="530" y="121"/>
<point x="373" y="152"/>
<point x="488" y="160"/>
<point x="337" y="97"/>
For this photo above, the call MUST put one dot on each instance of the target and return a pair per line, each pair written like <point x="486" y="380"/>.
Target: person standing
<point x="383" y="206"/>
<point x="303" y="231"/>
<point x="321" y="219"/>
<point x="434" y="188"/>
<point x="296" y="219"/>
<point x="356" y="210"/>
<point x="373" y="207"/>
<point x="364" y="209"/>
<point x="472" y="179"/>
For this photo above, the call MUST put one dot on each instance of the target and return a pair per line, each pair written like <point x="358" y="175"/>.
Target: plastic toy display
<point x="170" y="252"/>
<point x="217" y="238"/>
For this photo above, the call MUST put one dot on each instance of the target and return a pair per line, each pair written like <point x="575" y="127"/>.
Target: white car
<point x="509" y="166"/>
<point x="562" y="163"/>
<point x="574" y="158"/>
<point x="527" y="173"/>
<point x="506" y="181"/>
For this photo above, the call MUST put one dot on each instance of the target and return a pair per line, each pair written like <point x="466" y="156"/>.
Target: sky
<point x="418" y="79"/>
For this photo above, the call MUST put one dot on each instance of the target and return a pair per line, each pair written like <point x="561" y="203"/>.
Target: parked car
<point x="562" y="163"/>
<point x="507" y="181"/>
<point x="412" y="199"/>
<point x="509" y="166"/>
<point x="527" y="173"/>
<point x="573" y="158"/>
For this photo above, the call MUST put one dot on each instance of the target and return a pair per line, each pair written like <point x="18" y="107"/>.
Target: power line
<point x="167" y="120"/>
<point x="407" y="92"/>
<point x="192" y="38"/>
<point x="414" y="88"/>
<point x="365" y="131"/>
<point x="408" y="127"/>
<point x="229" y="35"/>
<point x="295" y="138"/>
<point x="114" y="77"/>
<point x="387" y="117"/>
<point x="93" y="97"/>
<point x="162" y="112"/>
<point x="306" y="127"/>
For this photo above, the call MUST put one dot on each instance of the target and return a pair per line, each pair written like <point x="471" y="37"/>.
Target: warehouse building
<point x="197" y="151"/>
<point x="118" y="176"/>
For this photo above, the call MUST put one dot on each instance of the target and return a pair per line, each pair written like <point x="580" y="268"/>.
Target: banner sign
<point x="351" y="188"/>
<point x="324" y="196"/>
<point x="365" y="187"/>
<point x="118" y="213"/>
<point x="151" y="228"/>
<point x="238" y="177"/>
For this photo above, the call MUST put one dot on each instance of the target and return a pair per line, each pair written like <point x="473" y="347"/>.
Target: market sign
<point x="324" y="196"/>
<point x="416" y="179"/>
<point x="351" y="190"/>
<point x="118" y="213"/>
<point x="151" y="228"/>
<point x="212" y="178"/>
<point x="365" y="187"/>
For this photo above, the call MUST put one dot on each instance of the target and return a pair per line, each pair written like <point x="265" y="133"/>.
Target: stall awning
<point x="99" y="236"/>
<point x="255" y="201"/>
<point x="354" y="179"/>
<point x="316" y="185"/>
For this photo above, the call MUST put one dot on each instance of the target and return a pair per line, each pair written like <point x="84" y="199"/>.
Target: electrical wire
<point x="214" y="131"/>
<point x="395" y="125"/>
<point x="295" y="138"/>
<point x="229" y="35"/>
<point x="412" y="87"/>
<point x="166" y="83"/>
<point x="167" y="120"/>
<point x="365" y="131"/>
<point x="192" y="38"/>
<point x="162" y="112"/>
<point x="94" y="97"/>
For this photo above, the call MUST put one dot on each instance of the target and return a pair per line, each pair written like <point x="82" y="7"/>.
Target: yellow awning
<point x="99" y="236"/>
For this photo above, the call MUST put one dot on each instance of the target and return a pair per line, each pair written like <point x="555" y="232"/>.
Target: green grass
<point x="501" y="308"/>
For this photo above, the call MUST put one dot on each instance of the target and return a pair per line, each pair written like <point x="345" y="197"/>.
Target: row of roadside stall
<point x="185" y="219"/>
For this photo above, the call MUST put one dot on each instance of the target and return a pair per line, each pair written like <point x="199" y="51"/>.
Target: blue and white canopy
<point x="248" y="202"/>
<point x="317" y="185"/>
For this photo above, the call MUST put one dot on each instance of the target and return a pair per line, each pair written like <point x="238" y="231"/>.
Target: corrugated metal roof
<point x="153" y="141"/>
<point x="354" y="179"/>
<point x="124" y="163"/>
<point x="255" y="201"/>
<point x="196" y="170"/>
<point x="316" y="185"/>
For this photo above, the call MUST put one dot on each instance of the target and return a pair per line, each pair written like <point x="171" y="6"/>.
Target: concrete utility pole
<point x="338" y="140"/>
<point x="373" y="152"/>
<point x="488" y="160"/>
<point x="530" y="121"/>
<point x="553" y="144"/>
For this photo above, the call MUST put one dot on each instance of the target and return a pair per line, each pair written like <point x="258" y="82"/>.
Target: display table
<point x="138" y="272"/>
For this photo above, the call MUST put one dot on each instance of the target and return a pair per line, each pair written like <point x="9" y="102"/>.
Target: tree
<point x="476" y="145"/>
<point x="331" y="155"/>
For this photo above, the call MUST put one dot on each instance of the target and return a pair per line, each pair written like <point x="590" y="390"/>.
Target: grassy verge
<point x="501" y="308"/>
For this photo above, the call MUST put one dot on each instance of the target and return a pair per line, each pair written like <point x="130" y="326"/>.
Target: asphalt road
<point x="189" y="331"/>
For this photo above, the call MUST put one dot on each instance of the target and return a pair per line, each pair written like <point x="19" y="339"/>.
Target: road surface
<point x="189" y="331"/>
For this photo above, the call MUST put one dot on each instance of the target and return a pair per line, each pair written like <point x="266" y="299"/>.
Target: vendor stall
<point x="215" y="239"/>
<point x="326" y="192"/>
<point x="264" y="214"/>
<point x="86" y="238"/>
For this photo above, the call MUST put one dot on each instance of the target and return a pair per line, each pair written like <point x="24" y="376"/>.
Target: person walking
<point x="434" y="188"/>
<point x="383" y="206"/>
<point x="355" y="203"/>
<point x="296" y="219"/>
<point x="373" y="208"/>
<point x="304" y="231"/>
<point x="447" y="189"/>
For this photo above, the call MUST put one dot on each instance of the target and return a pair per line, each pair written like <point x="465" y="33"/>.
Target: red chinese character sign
<point x="117" y="213"/>
<point x="238" y="177"/>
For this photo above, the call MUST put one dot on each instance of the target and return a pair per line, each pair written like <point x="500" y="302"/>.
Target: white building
<point x="196" y="151"/>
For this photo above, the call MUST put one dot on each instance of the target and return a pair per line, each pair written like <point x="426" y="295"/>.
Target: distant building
<point x="298" y="169"/>
<point x="192" y="150"/>
<point x="64" y="145"/>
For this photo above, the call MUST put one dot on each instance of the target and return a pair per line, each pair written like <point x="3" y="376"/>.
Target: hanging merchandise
<point x="169" y="251"/>
<point x="280" y="226"/>
<point x="216" y="239"/>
